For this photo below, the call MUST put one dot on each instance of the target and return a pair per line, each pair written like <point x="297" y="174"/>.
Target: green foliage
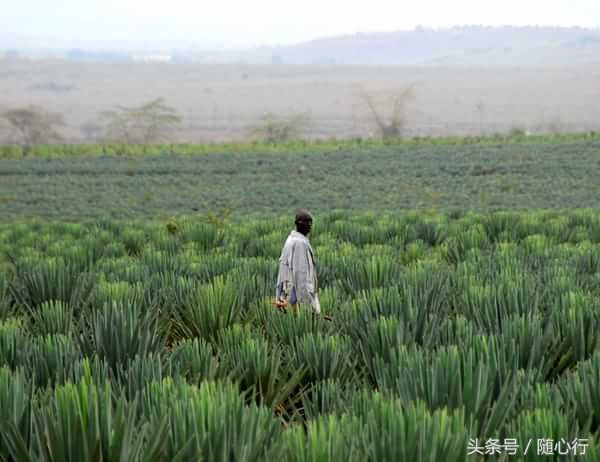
<point x="580" y="391"/>
<point x="276" y="129"/>
<point x="49" y="359"/>
<point x="200" y="182"/>
<point x="12" y="342"/>
<point x="82" y="423"/>
<point x="52" y="317"/>
<point x="144" y="124"/>
<point x="554" y="426"/>
<point x="284" y="328"/>
<point x="210" y="308"/>
<point x="6" y="308"/>
<point x="52" y="281"/>
<point x="394" y="431"/>
<point x="327" y="397"/>
<point x="326" y="438"/>
<point x="324" y="357"/>
<point x="295" y="145"/>
<point x="118" y="332"/>
<point x="442" y="326"/>
<point x="261" y="370"/>
<point x="209" y="422"/>
<point x="16" y="394"/>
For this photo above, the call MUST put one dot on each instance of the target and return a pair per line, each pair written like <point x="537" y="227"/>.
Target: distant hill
<point x="465" y="46"/>
<point x="459" y="46"/>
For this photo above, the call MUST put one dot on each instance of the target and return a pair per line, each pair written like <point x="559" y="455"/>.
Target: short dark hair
<point x="302" y="214"/>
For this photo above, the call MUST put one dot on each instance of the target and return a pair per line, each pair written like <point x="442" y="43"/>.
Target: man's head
<point x="303" y="221"/>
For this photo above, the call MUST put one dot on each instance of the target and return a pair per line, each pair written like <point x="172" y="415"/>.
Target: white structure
<point x="153" y="58"/>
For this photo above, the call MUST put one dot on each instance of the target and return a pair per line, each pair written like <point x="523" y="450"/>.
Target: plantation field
<point x="497" y="173"/>
<point x="140" y="340"/>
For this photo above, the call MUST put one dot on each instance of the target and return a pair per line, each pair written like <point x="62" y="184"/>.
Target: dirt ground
<point x="222" y="102"/>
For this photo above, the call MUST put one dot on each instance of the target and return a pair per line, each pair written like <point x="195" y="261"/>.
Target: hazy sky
<point x="251" y="22"/>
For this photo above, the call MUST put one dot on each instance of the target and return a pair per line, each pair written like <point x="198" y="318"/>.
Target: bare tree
<point x="274" y="128"/>
<point x="91" y="130"/>
<point x="34" y="124"/>
<point x="480" y="107"/>
<point x="392" y="126"/>
<point x="6" y="129"/>
<point x="149" y="123"/>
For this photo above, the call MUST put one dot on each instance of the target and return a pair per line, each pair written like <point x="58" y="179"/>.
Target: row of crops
<point x="126" y="149"/>
<point x="157" y="341"/>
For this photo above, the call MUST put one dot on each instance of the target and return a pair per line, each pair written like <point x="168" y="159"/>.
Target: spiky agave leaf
<point x="580" y="393"/>
<point x="453" y="330"/>
<point x="210" y="422"/>
<point x="378" y="340"/>
<point x="132" y="377"/>
<point x="285" y="327"/>
<point x="52" y="317"/>
<point x="6" y="302"/>
<point x="255" y="277"/>
<point x="551" y="425"/>
<point x="208" y="267"/>
<point x="118" y="332"/>
<point x="358" y="274"/>
<point x="122" y="292"/>
<point x="393" y="430"/>
<point x="327" y="438"/>
<point x="326" y="397"/>
<point x="214" y="306"/>
<point x="502" y="226"/>
<point x="134" y="241"/>
<point x="205" y="236"/>
<point x="420" y="301"/>
<point x="157" y="262"/>
<point x="12" y="342"/>
<point x="250" y="244"/>
<point x="195" y="360"/>
<point x="49" y="359"/>
<point x="16" y="394"/>
<point x="489" y="305"/>
<point x="51" y="280"/>
<point x="83" y="423"/>
<point x="454" y="379"/>
<point x="324" y="357"/>
<point x="576" y="319"/>
<point x="430" y="232"/>
<point x="260" y="369"/>
<point x="538" y="345"/>
<point x="93" y="369"/>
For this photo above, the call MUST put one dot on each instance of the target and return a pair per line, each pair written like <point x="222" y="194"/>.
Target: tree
<point x="273" y="128"/>
<point x="34" y="124"/>
<point x="149" y="123"/>
<point x="393" y="126"/>
<point x="91" y="130"/>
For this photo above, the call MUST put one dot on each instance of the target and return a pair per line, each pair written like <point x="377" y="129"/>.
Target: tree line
<point x="148" y="123"/>
<point x="155" y="121"/>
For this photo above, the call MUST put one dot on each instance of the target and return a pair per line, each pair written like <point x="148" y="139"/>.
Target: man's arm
<point x="284" y="278"/>
<point x="303" y="282"/>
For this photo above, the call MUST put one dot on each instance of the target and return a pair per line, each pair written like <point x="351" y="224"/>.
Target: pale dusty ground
<point x="220" y="102"/>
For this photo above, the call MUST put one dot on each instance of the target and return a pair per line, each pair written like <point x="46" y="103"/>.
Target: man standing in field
<point x="297" y="278"/>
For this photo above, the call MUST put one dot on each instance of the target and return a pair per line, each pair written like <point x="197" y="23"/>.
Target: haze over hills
<point x="459" y="46"/>
<point x="470" y="46"/>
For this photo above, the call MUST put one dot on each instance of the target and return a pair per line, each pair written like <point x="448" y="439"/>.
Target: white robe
<point x="297" y="270"/>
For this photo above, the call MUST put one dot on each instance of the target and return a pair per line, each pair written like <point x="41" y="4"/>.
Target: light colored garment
<point x="297" y="277"/>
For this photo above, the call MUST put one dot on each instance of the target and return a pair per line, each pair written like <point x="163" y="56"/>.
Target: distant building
<point x="276" y="59"/>
<point x="153" y="58"/>
<point x="11" y="54"/>
<point x="96" y="56"/>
